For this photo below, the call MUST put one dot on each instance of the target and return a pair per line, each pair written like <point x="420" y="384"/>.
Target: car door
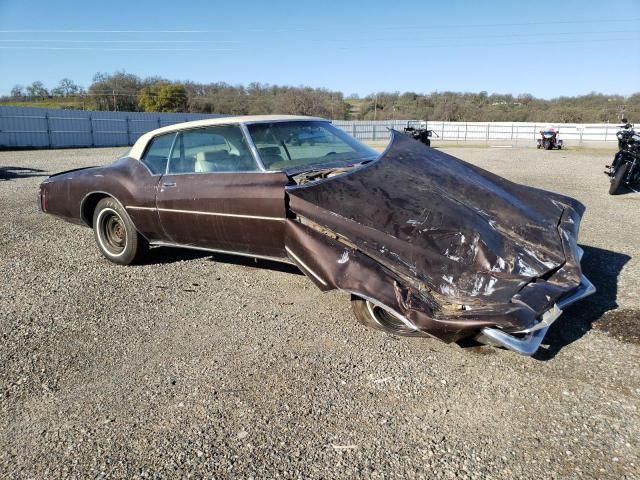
<point x="215" y="196"/>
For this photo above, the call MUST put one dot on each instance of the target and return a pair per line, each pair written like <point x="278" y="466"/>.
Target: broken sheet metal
<point x="449" y="245"/>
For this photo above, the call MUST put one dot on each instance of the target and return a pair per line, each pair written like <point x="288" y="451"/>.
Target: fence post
<point x="93" y="140"/>
<point x="353" y="129"/>
<point x="374" y="131"/>
<point x="159" y="122"/>
<point x="466" y="128"/>
<point x="46" y="116"/>
<point x="126" y="119"/>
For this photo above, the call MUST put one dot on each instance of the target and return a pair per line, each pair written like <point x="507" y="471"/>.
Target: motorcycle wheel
<point x="548" y="146"/>
<point x="618" y="178"/>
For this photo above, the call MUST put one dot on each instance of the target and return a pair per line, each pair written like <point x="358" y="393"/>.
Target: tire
<point x="548" y="145"/>
<point x="379" y="318"/>
<point x="618" y="178"/>
<point x="116" y="236"/>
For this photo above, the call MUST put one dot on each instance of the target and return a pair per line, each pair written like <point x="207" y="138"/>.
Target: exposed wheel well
<point x="89" y="205"/>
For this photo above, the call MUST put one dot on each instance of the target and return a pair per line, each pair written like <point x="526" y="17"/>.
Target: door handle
<point x="168" y="184"/>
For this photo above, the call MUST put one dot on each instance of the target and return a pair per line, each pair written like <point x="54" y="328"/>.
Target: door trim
<point x="217" y="214"/>
<point x="228" y="252"/>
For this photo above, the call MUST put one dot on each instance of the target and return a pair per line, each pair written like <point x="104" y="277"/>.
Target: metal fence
<point x="22" y="127"/>
<point x="483" y="132"/>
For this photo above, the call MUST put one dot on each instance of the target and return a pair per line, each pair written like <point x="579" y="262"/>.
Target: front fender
<point x="331" y="263"/>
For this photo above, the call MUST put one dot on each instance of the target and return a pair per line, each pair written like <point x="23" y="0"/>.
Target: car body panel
<point x="243" y="211"/>
<point x="465" y="241"/>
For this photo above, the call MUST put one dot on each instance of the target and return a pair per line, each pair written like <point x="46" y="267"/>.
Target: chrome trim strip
<point x="548" y="318"/>
<point x="173" y="146"/>
<point x="215" y="214"/>
<point x="252" y="147"/>
<point x="228" y="252"/>
<point x="84" y="199"/>
<point x="529" y="344"/>
<point x="280" y="120"/>
<point x="305" y="266"/>
<point x="585" y="289"/>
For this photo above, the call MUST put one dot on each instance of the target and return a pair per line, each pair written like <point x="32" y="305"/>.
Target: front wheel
<point x="116" y="236"/>
<point x="374" y="316"/>
<point x="618" y="179"/>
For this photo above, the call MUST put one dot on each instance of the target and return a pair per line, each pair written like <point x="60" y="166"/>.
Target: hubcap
<point x="387" y="319"/>
<point x="112" y="231"/>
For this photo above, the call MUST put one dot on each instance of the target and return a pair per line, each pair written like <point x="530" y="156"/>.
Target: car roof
<point x="141" y="144"/>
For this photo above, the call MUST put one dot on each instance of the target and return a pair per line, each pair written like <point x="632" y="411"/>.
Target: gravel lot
<point x="205" y="365"/>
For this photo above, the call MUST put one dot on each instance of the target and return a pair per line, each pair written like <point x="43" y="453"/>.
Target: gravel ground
<point x="205" y="365"/>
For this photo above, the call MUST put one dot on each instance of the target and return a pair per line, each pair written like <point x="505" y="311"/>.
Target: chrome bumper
<point x="532" y="337"/>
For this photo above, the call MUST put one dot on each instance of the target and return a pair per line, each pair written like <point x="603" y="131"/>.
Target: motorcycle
<point x="625" y="169"/>
<point x="418" y="133"/>
<point x="549" y="140"/>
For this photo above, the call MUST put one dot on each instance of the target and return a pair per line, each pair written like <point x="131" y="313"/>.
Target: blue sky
<point x="351" y="46"/>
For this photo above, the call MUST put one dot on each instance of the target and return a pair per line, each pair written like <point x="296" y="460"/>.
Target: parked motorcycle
<point x="549" y="139"/>
<point x="625" y="169"/>
<point x="417" y="132"/>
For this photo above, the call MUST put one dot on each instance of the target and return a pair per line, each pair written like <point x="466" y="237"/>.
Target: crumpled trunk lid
<point x="465" y="233"/>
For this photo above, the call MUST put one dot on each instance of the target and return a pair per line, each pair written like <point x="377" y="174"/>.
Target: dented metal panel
<point x="467" y="243"/>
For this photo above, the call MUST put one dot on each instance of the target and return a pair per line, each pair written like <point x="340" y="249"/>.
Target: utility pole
<point x="115" y="105"/>
<point x="375" y="107"/>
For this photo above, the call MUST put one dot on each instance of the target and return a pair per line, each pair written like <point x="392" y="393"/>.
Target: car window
<point x="211" y="150"/>
<point x="283" y="145"/>
<point x="157" y="154"/>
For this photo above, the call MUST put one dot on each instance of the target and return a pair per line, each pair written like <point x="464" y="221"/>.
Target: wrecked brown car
<point x="425" y="243"/>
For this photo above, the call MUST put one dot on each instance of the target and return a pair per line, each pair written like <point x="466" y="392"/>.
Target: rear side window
<point x="212" y="150"/>
<point x="158" y="152"/>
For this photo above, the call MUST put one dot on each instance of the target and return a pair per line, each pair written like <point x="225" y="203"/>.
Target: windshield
<point x="286" y="145"/>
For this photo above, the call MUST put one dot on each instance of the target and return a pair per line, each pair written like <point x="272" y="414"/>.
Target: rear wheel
<point x="380" y="318"/>
<point x="115" y="234"/>
<point x="618" y="179"/>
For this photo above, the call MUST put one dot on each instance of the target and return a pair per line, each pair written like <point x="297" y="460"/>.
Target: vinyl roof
<point x="141" y="144"/>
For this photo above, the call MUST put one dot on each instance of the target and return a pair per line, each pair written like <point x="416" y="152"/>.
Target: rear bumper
<point x="527" y="342"/>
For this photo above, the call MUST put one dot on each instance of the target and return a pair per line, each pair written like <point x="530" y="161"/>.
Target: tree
<point x="66" y="88"/>
<point x="117" y="91"/>
<point x="17" y="91"/>
<point x="37" y="90"/>
<point x="163" y="97"/>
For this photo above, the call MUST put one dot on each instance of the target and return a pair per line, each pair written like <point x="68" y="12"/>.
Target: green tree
<point x="163" y="97"/>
